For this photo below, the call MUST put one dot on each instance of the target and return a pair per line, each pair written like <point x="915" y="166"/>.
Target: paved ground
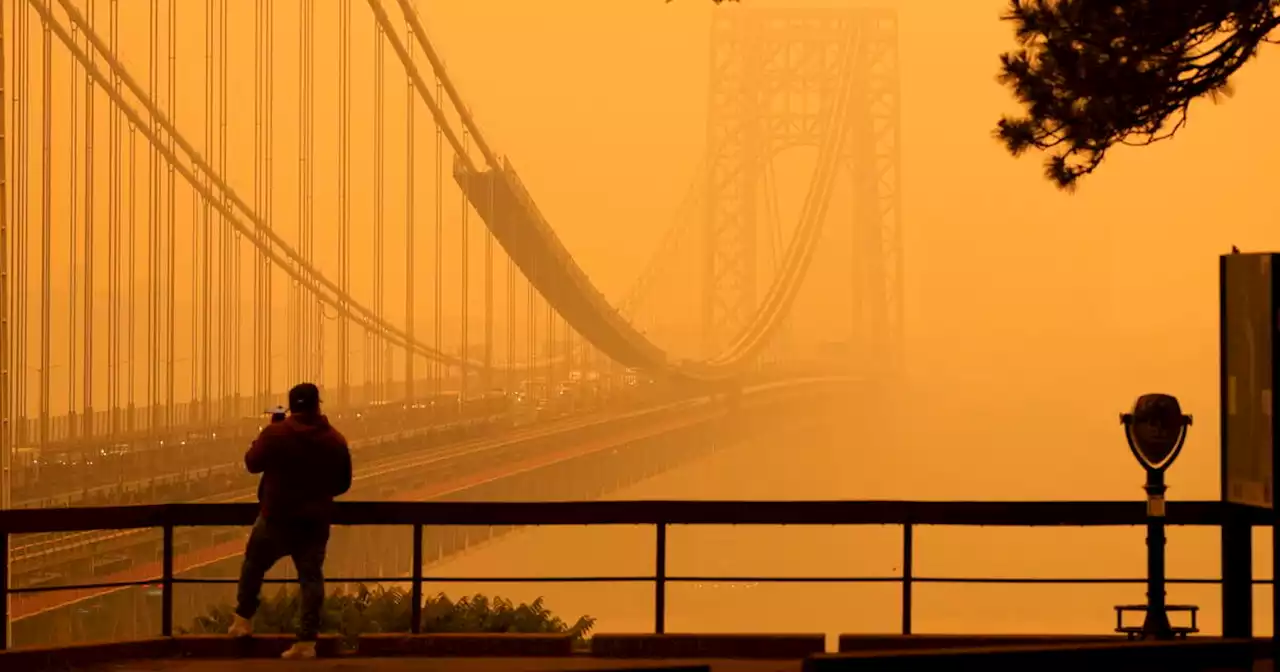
<point x="466" y="665"/>
<point x="444" y="664"/>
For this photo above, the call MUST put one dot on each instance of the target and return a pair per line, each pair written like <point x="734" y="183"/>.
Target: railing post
<point x="1237" y="578"/>
<point x="908" y="552"/>
<point x="660" y="582"/>
<point x="166" y="581"/>
<point x="415" y="589"/>
<point x="4" y="591"/>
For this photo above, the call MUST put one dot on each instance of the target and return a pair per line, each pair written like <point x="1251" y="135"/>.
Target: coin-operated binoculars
<point x="1156" y="430"/>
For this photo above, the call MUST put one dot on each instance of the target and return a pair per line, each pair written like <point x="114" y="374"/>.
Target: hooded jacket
<point x="304" y="463"/>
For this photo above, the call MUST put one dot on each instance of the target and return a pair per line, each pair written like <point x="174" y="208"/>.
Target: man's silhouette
<point x="304" y="463"/>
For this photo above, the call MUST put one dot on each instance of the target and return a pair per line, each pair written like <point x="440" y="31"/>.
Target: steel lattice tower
<point x="774" y="71"/>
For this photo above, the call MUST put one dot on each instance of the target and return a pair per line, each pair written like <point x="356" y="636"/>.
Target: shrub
<point x="379" y="609"/>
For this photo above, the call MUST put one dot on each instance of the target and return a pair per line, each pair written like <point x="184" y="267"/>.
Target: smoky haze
<point x="1032" y="317"/>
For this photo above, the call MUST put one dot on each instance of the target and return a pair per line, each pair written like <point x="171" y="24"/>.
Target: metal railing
<point x="1235" y="522"/>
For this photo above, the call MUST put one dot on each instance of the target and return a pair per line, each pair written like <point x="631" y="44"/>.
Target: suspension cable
<point x="464" y="351"/>
<point x="409" y="241"/>
<point x="437" y="321"/>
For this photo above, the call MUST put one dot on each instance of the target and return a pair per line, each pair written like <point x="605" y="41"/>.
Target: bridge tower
<point x="774" y="71"/>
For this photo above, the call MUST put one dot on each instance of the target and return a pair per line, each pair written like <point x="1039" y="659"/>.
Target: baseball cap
<point x="304" y="396"/>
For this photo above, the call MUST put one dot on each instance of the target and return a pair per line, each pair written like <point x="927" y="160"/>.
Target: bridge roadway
<point x="372" y="459"/>
<point x="149" y="427"/>
<point x="36" y="547"/>
<point x="209" y="483"/>
<point x="195" y="470"/>
<point x="100" y="464"/>
<point x="436" y="474"/>
<point x="223" y="461"/>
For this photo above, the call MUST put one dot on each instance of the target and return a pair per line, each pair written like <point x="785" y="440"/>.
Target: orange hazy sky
<point x="1033" y="316"/>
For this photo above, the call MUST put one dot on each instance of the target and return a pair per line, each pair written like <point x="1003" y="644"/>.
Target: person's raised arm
<point x="342" y="466"/>
<point x="258" y="456"/>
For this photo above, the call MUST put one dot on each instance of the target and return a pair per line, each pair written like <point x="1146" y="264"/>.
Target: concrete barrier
<point x="850" y="643"/>
<point x="707" y="646"/>
<point x="79" y="656"/>
<point x="257" y="646"/>
<point x="1192" y="655"/>
<point x="196" y="646"/>
<point x="646" y="666"/>
<point x="221" y="647"/>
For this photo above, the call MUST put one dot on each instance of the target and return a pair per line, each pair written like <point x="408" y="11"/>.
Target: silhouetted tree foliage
<point x="1094" y="73"/>
<point x="379" y="609"/>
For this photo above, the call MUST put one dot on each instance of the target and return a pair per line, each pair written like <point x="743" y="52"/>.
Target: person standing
<point x="304" y="463"/>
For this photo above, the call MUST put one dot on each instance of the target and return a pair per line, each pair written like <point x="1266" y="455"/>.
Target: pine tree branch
<point x="1091" y="74"/>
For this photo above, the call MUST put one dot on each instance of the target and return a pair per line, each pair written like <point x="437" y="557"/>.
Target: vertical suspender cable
<point x="551" y="350"/>
<point x="87" y="403"/>
<point x="377" y="352"/>
<point x="268" y="193"/>
<point x="114" y="192"/>
<point x="229" y="284"/>
<point x="73" y="250"/>
<point x="300" y="349"/>
<point x="409" y="242"/>
<point x="46" y="227"/>
<point x="119" y="295"/>
<point x="438" y="370"/>
<point x="311" y="319"/>
<point x="172" y="228"/>
<point x="344" y="196"/>
<point x="464" y="353"/>
<point x="488" y="299"/>
<point x="20" y="226"/>
<point x="131" y="395"/>
<point x="531" y="326"/>
<point x="234" y="384"/>
<point x="201" y="266"/>
<point x="260" y="316"/>
<point x="511" y="308"/>
<point x="152" y="355"/>
<point x="264" y="315"/>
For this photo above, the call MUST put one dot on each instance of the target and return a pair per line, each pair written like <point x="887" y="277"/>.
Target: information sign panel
<point x="1249" y="322"/>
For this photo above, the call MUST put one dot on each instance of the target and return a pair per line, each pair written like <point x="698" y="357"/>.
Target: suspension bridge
<point x="191" y="225"/>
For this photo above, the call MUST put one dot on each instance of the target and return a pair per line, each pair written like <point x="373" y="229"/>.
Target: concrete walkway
<point x="444" y="665"/>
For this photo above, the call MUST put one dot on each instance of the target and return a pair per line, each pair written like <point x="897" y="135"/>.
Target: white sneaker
<point x="240" y="627"/>
<point x="300" y="651"/>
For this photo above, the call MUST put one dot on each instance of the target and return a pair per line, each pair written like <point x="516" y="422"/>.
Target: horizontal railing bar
<point x="450" y="579"/>
<point x="784" y="579"/>
<point x="1051" y="580"/>
<point x="539" y="579"/>
<point x="942" y="513"/>
<point x="229" y="580"/>
<point x="648" y="579"/>
<point x="939" y="579"/>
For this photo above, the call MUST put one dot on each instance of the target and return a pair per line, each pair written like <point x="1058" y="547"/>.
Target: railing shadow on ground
<point x="1235" y="521"/>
